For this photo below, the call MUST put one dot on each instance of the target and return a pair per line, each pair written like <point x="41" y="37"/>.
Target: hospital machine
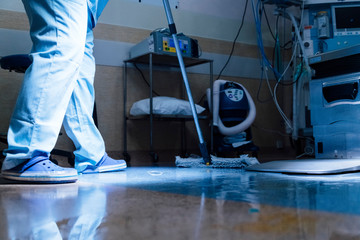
<point x="326" y="100"/>
<point x="331" y="36"/>
<point x="326" y="76"/>
<point x="233" y="113"/>
<point x="160" y="41"/>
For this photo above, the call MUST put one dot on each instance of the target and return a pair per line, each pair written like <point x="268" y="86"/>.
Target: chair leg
<point x="2" y="156"/>
<point x="95" y="115"/>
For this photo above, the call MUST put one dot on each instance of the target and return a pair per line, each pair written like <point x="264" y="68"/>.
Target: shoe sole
<point x="39" y="178"/>
<point x="103" y="169"/>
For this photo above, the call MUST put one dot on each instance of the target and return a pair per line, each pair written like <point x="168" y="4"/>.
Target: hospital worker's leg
<point x="58" y="31"/>
<point x="78" y="122"/>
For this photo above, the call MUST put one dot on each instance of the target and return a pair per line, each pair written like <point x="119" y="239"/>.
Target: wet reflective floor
<point x="184" y="203"/>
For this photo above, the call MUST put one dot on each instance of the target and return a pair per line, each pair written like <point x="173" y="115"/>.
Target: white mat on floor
<point x="309" y="166"/>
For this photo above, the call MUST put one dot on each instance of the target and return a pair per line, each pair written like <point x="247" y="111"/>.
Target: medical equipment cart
<point x="162" y="61"/>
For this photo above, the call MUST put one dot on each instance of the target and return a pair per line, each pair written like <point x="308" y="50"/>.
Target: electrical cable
<point x="268" y="24"/>
<point x="298" y="75"/>
<point x="266" y="64"/>
<point x="264" y="60"/>
<point x="287" y="121"/>
<point x="277" y="48"/>
<point x="285" y="118"/>
<point x="143" y="77"/>
<point x="259" y="88"/>
<point x="234" y="42"/>
<point x="288" y="42"/>
<point x="257" y="9"/>
<point x="263" y="65"/>
<point x="257" y="17"/>
<point x="232" y="48"/>
<point x="272" y="34"/>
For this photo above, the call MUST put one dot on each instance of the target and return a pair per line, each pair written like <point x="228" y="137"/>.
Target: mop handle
<point x="173" y="32"/>
<point x="172" y="28"/>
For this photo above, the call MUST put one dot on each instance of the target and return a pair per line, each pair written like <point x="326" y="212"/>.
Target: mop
<point x="243" y="161"/>
<point x="205" y="160"/>
<point x="172" y="28"/>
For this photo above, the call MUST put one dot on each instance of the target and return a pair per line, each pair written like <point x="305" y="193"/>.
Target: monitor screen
<point x="346" y="20"/>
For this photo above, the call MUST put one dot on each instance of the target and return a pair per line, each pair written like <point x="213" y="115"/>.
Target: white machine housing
<point x="335" y="114"/>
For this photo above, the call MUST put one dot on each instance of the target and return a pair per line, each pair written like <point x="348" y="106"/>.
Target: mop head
<point x="216" y="162"/>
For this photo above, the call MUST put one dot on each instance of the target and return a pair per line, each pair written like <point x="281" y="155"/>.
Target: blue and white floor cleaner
<point x="235" y="97"/>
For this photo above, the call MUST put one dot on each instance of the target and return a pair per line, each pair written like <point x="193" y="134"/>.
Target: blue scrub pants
<point x="58" y="86"/>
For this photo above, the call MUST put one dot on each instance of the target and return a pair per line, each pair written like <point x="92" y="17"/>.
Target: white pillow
<point x="164" y="105"/>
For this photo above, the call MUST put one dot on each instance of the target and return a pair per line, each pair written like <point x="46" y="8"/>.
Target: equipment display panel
<point x="346" y="20"/>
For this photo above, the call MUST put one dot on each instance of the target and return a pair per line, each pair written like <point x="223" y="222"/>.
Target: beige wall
<point x="109" y="94"/>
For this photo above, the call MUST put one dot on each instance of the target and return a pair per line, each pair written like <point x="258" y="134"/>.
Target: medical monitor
<point x="346" y="20"/>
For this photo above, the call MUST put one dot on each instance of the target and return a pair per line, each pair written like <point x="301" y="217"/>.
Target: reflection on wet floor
<point x="179" y="203"/>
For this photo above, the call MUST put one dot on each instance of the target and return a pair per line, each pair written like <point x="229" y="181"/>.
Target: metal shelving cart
<point x="162" y="61"/>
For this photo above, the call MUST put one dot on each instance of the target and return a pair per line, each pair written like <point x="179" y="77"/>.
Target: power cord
<point x="143" y="77"/>
<point x="234" y="42"/>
